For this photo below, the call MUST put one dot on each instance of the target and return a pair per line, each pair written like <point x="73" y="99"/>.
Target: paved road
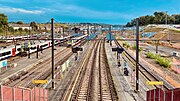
<point x="166" y="51"/>
<point x="161" y="49"/>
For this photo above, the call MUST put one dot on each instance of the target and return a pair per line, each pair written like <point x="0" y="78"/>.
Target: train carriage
<point x="76" y="40"/>
<point x="25" y="47"/>
<point x="9" y="52"/>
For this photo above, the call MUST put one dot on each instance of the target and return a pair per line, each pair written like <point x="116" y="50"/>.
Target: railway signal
<point x="75" y="50"/>
<point x="119" y="51"/>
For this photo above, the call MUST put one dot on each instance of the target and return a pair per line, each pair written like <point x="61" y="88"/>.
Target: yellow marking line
<point x="154" y="83"/>
<point x="39" y="81"/>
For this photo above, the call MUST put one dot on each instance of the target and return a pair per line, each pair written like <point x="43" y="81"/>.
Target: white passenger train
<point x="15" y="50"/>
<point x="76" y="40"/>
<point x="10" y="51"/>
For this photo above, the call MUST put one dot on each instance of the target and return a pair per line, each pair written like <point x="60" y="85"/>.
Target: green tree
<point x="129" y="24"/>
<point x="3" y="19"/>
<point x="132" y="23"/>
<point x="3" y="22"/>
<point x="176" y="18"/>
<point x="26" y="30"/>
<point x="171" y="20"/>
<point x="20" y="30"/>
<point x="20" y="22"/>
<point x="160" y="17"/>
<point x="156" y="18"/>
<point x="11" y="29"/>
<point x="16" y="30"/>
<point x="143" y="20"/>
<point x="1" y="30"/>
<point x="34" y="26"/>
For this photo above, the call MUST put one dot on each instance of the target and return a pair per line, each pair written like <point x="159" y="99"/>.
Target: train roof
<point x="77" y="38"/>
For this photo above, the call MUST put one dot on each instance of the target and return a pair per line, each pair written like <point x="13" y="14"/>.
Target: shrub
<point x="134" y="47"/>
<point x="126" y="45"/>
<point x="163" y="62"/>
<point x="140" y="48"/>
<point x="152" y="55"/>
<point x="159" y="60"/>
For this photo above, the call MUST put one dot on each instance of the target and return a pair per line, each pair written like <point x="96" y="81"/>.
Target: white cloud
<point x="74" y="10"/>
<point x="19" y="10"/>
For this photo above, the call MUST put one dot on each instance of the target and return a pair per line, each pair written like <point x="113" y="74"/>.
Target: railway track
<point x="39" y="72"/>
<point x="42" y="71"/>
<point x="83" y="90"/>
<point x="147" y="73"/>
<point x="107" y="90"/>
<point x="62" y="94"/>
<point x="93" y="80"/>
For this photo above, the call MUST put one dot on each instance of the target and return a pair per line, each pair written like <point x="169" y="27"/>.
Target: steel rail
<point x="143" y="69"/>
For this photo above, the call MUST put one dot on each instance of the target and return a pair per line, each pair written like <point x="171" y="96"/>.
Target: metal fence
<point x="22" y="94"/>
<point x="161" y="95"/>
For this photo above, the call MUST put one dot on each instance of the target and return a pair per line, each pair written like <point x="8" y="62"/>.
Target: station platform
<point x="123" y="84"/>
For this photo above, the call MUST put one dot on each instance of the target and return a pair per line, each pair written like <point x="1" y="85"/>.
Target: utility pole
<point x="63" y="31"/>
<point x="110" y="35"/>
<point x="29" y="44"/>
<point x="37" y="51"/>
<point x="143" y="28"/>
<point x="168" y="26"/>
<point x="63" y="35"/>
<point x="137" y="54"/>
<point x="88" y="33"/>
<point x="157" y="43"/>
<point x="52" y="39"/>
<point x="166" y="18"/>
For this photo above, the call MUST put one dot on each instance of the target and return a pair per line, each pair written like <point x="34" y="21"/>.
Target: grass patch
<point x="134" y="47"/>
<point x="125" y="44"/>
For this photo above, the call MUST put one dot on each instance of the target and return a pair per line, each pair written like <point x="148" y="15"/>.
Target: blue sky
<point x="100" y="11"/>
